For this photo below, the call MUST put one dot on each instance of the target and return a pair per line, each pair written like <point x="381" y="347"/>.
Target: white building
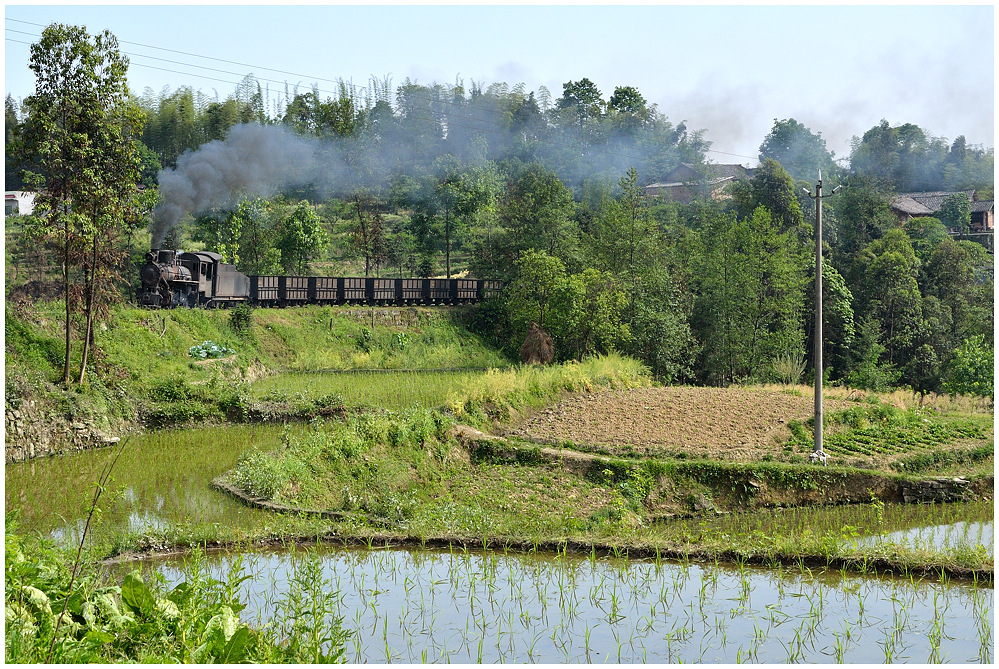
<point x="18" y="202"/>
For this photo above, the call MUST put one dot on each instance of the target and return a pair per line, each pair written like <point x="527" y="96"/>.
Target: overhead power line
<point x="453" y="119"/>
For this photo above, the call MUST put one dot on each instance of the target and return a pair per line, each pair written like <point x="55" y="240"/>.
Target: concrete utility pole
<point x="819" y="455"/>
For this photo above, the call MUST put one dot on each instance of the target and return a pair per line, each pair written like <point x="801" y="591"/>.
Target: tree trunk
<point x="65" y="287"/>
<point x="364" y="236"/>
<point x="90" y="281"/>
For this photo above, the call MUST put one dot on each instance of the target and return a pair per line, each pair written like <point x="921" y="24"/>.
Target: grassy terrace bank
<point x="143" y="372"/>
<point x="419" y="477"/>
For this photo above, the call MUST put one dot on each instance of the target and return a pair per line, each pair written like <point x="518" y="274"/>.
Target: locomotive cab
<point x="218" y="283"/>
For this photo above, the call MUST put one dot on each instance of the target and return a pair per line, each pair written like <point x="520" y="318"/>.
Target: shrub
<point x="241" y="320"/>
<point x="259" y="474"/>
<point x="195" y="622"/>
<point x="972" y="369"/>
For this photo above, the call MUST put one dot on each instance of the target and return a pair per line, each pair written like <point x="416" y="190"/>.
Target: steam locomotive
<point x="173" y="278"/>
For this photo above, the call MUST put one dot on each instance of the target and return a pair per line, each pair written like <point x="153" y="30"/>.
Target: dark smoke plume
<point x="254" y="160"/>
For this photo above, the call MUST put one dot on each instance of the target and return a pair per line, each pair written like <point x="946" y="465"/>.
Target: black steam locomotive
<point x="200" y="279"/>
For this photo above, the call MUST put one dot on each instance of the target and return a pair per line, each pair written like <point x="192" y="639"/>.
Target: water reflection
<point x="952" y="535"/>
<point x="161" y="479"/>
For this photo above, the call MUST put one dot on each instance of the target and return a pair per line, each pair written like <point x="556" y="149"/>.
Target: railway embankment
<point x="152" y="369"/>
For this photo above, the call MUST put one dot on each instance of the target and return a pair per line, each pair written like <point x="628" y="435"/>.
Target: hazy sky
<point x="730" y="70"/>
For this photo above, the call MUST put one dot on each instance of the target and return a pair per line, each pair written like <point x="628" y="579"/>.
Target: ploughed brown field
<point x="733" y="423"/>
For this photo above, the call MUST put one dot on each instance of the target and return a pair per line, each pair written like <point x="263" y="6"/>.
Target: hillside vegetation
<point x="149" y="369"/>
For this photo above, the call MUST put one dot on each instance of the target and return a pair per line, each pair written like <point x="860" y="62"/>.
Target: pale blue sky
<point x="728" y="69"/>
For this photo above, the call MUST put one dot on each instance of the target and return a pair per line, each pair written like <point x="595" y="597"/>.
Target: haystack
<point x="538" y="347"/>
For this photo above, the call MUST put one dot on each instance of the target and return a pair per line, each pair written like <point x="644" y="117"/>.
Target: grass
<point x="142" y="369"/>
<point x="406" y="472"/>
<point x="395" y="391"/>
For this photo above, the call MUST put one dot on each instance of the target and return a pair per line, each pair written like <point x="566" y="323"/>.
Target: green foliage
<point x="798" y="150"/>
<point x="867" y="370"/>
<point x="301" y="236"/>
<point x="875" y="430"/>
<point x="583" y="313"/>
<point x="750" y="282"/>
<point x="78" y="138"/>
<point x="888" y="292"/>
<point x="955" y="212"/>
<point x="538" y="293"/>
<point x="772" y="188"/>
<point x="972" y="369"/>
<point x="351" y="465"/>
<point x="241" y="320"/>
<point x="536" y="216"/>
<point x="141" y="621"/>
<point x="904" y="154"/>
<point x="175" y="401"/>
<point x="446" y="203"/>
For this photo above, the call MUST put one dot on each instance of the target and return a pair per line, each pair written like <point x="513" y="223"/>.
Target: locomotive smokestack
<point x="253" y="161"/>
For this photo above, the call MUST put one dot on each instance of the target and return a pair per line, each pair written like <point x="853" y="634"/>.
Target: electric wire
<point x="453" y="120"/>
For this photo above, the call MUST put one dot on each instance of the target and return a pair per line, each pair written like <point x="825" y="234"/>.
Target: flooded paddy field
<point x="468" y="606"/>
<point x="161" y="488"/>
<point x="471" y="606"/>
<point x="159" y="481"/>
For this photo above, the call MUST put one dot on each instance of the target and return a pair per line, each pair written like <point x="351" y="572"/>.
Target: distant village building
<point x="913" y="205"/>
<point x="18" y="202"/>
<point x="687" y="182"/>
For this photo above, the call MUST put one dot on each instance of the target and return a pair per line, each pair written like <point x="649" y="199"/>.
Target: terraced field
<point x="748" y="424"/>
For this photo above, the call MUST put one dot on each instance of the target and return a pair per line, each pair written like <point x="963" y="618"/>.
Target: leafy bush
<point x="241" y="320"/>
<point x="173" y="389"/>
<point x="259" y="474"/>
<point x="196" y="621"/>
<point x="972" y="369"/>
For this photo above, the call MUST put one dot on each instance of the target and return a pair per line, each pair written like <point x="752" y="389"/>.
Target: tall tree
<point x="955" y="212"/>
<point x="80" y="128"/>
<point x="301" y="237"/>
<point x="773" y="188"/>
<point x="536" y="214"/>
<point x="750" y="295"/>
<point x="627" y="109"/>
<point x="799" y="151"/>
<point x="888" y="292"/>
<point x="582" y="100"/>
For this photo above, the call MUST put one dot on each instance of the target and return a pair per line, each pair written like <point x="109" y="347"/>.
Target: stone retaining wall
<point x="935" y="490"/>
<point x="30" y="432"/>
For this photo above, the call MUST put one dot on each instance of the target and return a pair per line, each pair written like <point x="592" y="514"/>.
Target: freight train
<point x="173" y="278"/>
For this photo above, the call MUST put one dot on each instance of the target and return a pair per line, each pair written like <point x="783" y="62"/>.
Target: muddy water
<point x="160" y="479"/>
<point x="420" y="606"/>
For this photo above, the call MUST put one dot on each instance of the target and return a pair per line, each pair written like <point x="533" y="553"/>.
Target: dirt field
<point x="729" y="423"/>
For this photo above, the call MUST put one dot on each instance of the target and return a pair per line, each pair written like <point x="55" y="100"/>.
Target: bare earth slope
<point x="735" y="423"/>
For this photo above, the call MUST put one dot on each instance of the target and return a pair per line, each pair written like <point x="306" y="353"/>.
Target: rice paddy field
<point x="480" y="602"/>
<point x="469" y="606"/>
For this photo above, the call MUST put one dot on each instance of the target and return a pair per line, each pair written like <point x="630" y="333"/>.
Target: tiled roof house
<point x="686" y="182"/>
<point x="928" y="203"/>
